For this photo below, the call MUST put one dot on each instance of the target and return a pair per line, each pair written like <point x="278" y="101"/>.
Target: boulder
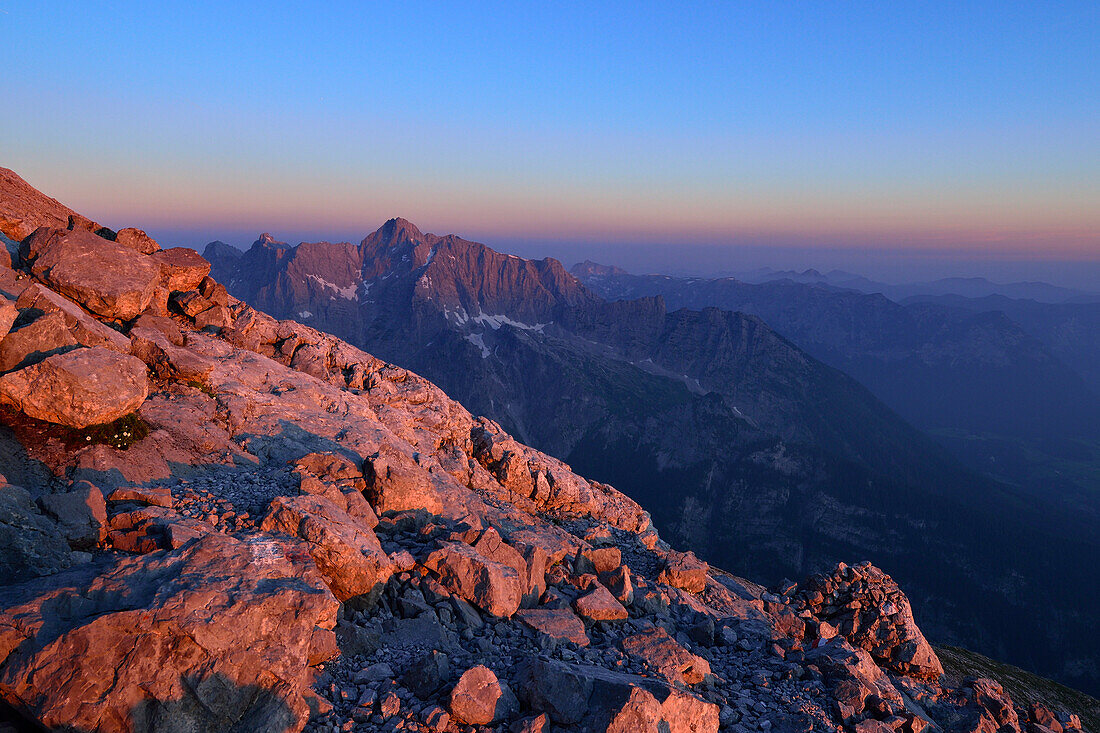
<point x="347" y="553"/>
<point x="84" y="328"/>
<point x="685" y="571"/>
<point x="665" y="655"/>
<point x="182" y="268"/>
<point x="491" y="586"/>
<point x="78" y="388"/>
<point x="35" y="341"/>
<point x="593" y="698"/>
<point x="32" y="543"/>
<point x="599" y="605"/>
<point x="8" y="313"/>
<point x="137" y="240"/>
<point x="555" y="624"/>
<point x="81" y="515"/>
<point x="103" y="276"/>
<point x="214" y="636"/>
<point x="479" y="698"/>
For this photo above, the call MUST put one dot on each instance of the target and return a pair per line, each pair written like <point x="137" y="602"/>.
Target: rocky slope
<point x="230" y="522"/>
<point x="744" y="448"/>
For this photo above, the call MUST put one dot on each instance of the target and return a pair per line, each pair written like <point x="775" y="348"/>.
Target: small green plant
<point x="202" y="387"/>
<point x="121" y="433"/>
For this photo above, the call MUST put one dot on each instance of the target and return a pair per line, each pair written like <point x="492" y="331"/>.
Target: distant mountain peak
<point x="266" y="239"/>
<point x="397" y="231"/>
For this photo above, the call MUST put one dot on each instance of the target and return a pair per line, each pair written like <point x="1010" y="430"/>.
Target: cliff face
<point x="221" y="521"/>
<point x="742" y="446"/>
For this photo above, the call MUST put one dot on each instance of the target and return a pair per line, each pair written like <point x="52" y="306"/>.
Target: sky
<point x="901" y="136"/>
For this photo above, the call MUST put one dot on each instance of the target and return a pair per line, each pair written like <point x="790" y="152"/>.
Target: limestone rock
<point x="557" y="624"/>
<point x="78" y="388"/>
<point x="32" y="543"/>
<point x="664" y="654"/>
<point x="599" y="605"/>
<point x="103" y="276"/>
<point x="84" y="328"/>
<point x="137" y="240"/>
<point x="347" y="553"/>
<point x="491" y="586"/>
<point x="81" y="515"/>
<point x="871" y="611"/>
<point x="684" y="570"/>
<point x="479" y="698"/>
<point x="182" y="268"/>
<point x="23" y="209"/>
<point x="8" y="313"/>
<point x="214" y="636"/>
<point x="35" y="341"/>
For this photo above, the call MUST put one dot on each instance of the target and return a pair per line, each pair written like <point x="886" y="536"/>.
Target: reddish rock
<point x="105" y="277"/>
<point x="559" y="624"/>
<point x="347" y="553"/>
<point x="8" y="313"/>
<point x="137" y="240"/>
<point x="167" y="360"/>
<point x="32" y="343"/>
<point x="599" y="605"/>
<point x="665" y="655"/>
<point x="871" y="611"/>
<point x="152" y="495"/>
<point x="479" y="698"/>
<point x="619" y="583"/>
<point x="84" y="328"/>
<point x="600" y="560"/>
<point x="593" y="698"/>
<point x="684" y="570"/>
<point x="182" y="269"/>
<point x="78" y="388"/>
<point x="23" y="209"/>
<point x="491" y="586"/>
<point x="215" y="636"/>
<point x="491" y="546"/>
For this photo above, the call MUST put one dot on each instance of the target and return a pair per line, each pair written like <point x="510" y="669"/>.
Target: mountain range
<point x="214" y="520"/>
<point x="750" y="450"/>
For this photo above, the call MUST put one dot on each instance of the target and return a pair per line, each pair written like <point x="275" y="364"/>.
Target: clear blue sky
<point x="971" y="128"/>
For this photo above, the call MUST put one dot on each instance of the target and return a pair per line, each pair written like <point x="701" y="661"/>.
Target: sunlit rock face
<point x="286" y="533"/>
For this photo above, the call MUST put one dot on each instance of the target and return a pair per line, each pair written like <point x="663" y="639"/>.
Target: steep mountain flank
<point x="285" y="533"/>
<point x="1002" y="383"/>
<point x="743" y="447"/>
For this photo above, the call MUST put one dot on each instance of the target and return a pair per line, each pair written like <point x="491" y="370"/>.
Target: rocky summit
<point x="213" y="520"/>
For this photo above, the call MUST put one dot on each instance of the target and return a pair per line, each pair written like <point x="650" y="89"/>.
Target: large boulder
<point x="137" y="240"/>
<point x="665" y="655"/>
<point x="491" y="586"/>
<point x="214" y="636"/>
<point x="346" y="552"/>
<point x="182" y="269"/>
<point x="685" y="571"/>
<point x="78" y="388"/>
<point x="479" y="698"/>
<point x="596" y="699"/>
<point x="9" y="311"/>
<point x="81" y="514"/>
<point x="32" y="544"/>
<point x="105" y="277"/>
<point x="85" y="329"/>
<point x="35" y="341"/>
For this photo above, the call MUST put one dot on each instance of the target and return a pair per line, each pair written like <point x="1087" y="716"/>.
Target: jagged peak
<point x="266" y="239"/>
<point x="395" y="231"/>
